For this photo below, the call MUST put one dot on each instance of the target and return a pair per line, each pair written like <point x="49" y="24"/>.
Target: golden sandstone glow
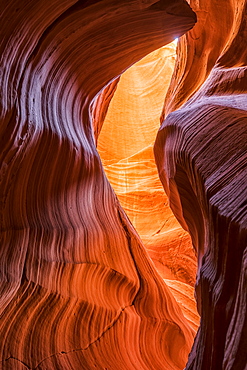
<point x="79" y="288"/>
<point x="125" y="145"/>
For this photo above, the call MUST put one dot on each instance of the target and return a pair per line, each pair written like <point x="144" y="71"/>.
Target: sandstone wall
<point x="201" y="155"/>
<point x="77" y="290"/>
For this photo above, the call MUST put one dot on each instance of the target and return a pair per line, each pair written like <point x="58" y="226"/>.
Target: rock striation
<point x="127" y="156"/>
<point x="78" y="290"/>
<point x="201" y="155"/>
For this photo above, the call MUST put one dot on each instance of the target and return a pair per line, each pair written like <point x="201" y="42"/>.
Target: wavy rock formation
<point x="201" y="155"/>
<point x="129" y="164"/>
<point x="78" y="290"/>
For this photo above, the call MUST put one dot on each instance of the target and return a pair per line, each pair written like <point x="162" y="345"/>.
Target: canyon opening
<point x="125" y="145"/>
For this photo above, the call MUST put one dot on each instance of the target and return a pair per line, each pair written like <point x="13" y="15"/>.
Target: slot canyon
<point x="123" y="185"/>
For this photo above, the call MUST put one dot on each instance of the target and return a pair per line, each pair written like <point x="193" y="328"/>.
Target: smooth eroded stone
<point x="77" y="288"/>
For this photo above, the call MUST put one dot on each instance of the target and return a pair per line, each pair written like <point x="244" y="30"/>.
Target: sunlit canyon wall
<point x="78" y="289"/>
<point x="125" y="145"/>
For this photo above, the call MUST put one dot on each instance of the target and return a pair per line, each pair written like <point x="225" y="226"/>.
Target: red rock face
<point x="125" y="145"/>
<point x="78" y="290"/>
<point x="201" y="156"/>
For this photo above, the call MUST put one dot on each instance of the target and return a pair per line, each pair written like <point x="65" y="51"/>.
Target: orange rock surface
<point x="78" y="290"/>
<point x="125" y="145"/>
<point x="201" y="155"/>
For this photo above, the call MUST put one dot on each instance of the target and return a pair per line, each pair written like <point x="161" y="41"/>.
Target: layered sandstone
<point x="78" y="290"/>
<point x="201" y="156"/>
<point x="125" y="145"/>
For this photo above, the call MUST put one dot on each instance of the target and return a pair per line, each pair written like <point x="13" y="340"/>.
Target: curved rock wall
<point x="125" y="145"/>
<point x="78" y="290"/>
<point x="201" y="155"/>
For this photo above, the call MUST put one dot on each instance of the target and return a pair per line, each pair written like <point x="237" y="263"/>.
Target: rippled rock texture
<point x="127" y="156"/>
<point x="78" y="290"/>
<point x="201" y="155"/>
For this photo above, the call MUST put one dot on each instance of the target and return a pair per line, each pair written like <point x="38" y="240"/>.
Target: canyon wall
<point x="201" y="154"/>
<point x="77" y="288"/>
<point x="125" y="146"/>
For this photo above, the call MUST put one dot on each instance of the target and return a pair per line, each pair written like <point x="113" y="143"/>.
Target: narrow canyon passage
<point x="79" y="288"/>
<point x="125" y="145"/>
